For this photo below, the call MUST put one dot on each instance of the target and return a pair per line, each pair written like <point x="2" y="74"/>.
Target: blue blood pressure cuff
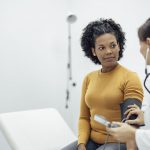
<point x="124" y="107"/>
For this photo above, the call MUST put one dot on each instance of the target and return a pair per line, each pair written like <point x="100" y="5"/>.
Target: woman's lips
<point x="109" y="59"/>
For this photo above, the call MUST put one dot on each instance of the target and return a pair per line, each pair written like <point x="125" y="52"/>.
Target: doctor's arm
<point x="133" y="137"/>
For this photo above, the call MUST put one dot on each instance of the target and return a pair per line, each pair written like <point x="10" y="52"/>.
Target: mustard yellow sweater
<point x="102" y="93"/>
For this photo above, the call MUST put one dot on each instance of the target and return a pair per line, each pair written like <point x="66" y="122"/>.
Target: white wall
<point x="33" y="50"/>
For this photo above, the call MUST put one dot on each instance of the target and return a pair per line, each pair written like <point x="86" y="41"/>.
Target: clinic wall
<point x="34" y="44"/>
<point x="33" y="51"/>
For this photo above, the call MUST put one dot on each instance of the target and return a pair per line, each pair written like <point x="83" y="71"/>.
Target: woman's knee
<point x="112" y="146"/>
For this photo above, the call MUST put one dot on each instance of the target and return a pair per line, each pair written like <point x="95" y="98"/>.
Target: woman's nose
<point x="108" y="51"/>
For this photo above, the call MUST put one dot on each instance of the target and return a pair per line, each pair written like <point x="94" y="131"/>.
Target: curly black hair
<point x="95" y="29"/>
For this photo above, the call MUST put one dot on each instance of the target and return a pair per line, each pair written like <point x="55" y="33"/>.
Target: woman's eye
<point x="113" y="45"/>
<point x="101" y="48"/>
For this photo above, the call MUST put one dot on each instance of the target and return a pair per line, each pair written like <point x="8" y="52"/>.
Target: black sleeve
<point x="124" y="107"/>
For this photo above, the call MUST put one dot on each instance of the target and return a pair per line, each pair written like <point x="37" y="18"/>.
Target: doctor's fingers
<point x="137" y="112"/>
<point x="131" y="110"/>
<point x="118" y="123"/>
<point x="132" y="122"/>
<point x="111" y="131"/>
<point x="114" y="130"/>
<point x="134" y="106"/>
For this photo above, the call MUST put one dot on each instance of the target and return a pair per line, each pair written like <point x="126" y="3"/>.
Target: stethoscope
<point x="146" y="71"/>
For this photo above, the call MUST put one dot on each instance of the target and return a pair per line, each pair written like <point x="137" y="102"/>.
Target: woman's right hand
<point x="134" y="109"/>
<point x="81" y="147"/>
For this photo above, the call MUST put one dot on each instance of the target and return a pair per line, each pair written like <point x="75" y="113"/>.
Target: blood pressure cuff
<point x="124" y="107"/>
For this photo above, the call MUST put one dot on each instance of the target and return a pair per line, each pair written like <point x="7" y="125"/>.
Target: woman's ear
<point x="148" y="55"/>
<point x="119" y="46"/>
<point x="148" y="41"/>
<point x="93" y="51"/>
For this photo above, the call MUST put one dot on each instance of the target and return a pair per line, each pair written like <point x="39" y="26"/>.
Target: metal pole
<point x="69" y="69"/>
<point x="69" y="52"/>
<point x="70" y="19"/>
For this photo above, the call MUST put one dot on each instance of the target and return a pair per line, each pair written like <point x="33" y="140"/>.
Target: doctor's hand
<point x="124" y="133"/>
<point x="134" y="109"/>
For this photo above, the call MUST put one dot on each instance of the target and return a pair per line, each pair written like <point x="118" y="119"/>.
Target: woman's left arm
<point x="133" y="94"/>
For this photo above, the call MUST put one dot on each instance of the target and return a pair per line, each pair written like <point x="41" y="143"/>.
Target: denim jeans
<point x="91" y="145"/>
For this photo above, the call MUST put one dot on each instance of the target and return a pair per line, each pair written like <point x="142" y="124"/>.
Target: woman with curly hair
<point x="107" y="91"/>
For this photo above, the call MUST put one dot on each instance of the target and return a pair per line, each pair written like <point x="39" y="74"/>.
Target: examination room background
<point x="34" y="51"/>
